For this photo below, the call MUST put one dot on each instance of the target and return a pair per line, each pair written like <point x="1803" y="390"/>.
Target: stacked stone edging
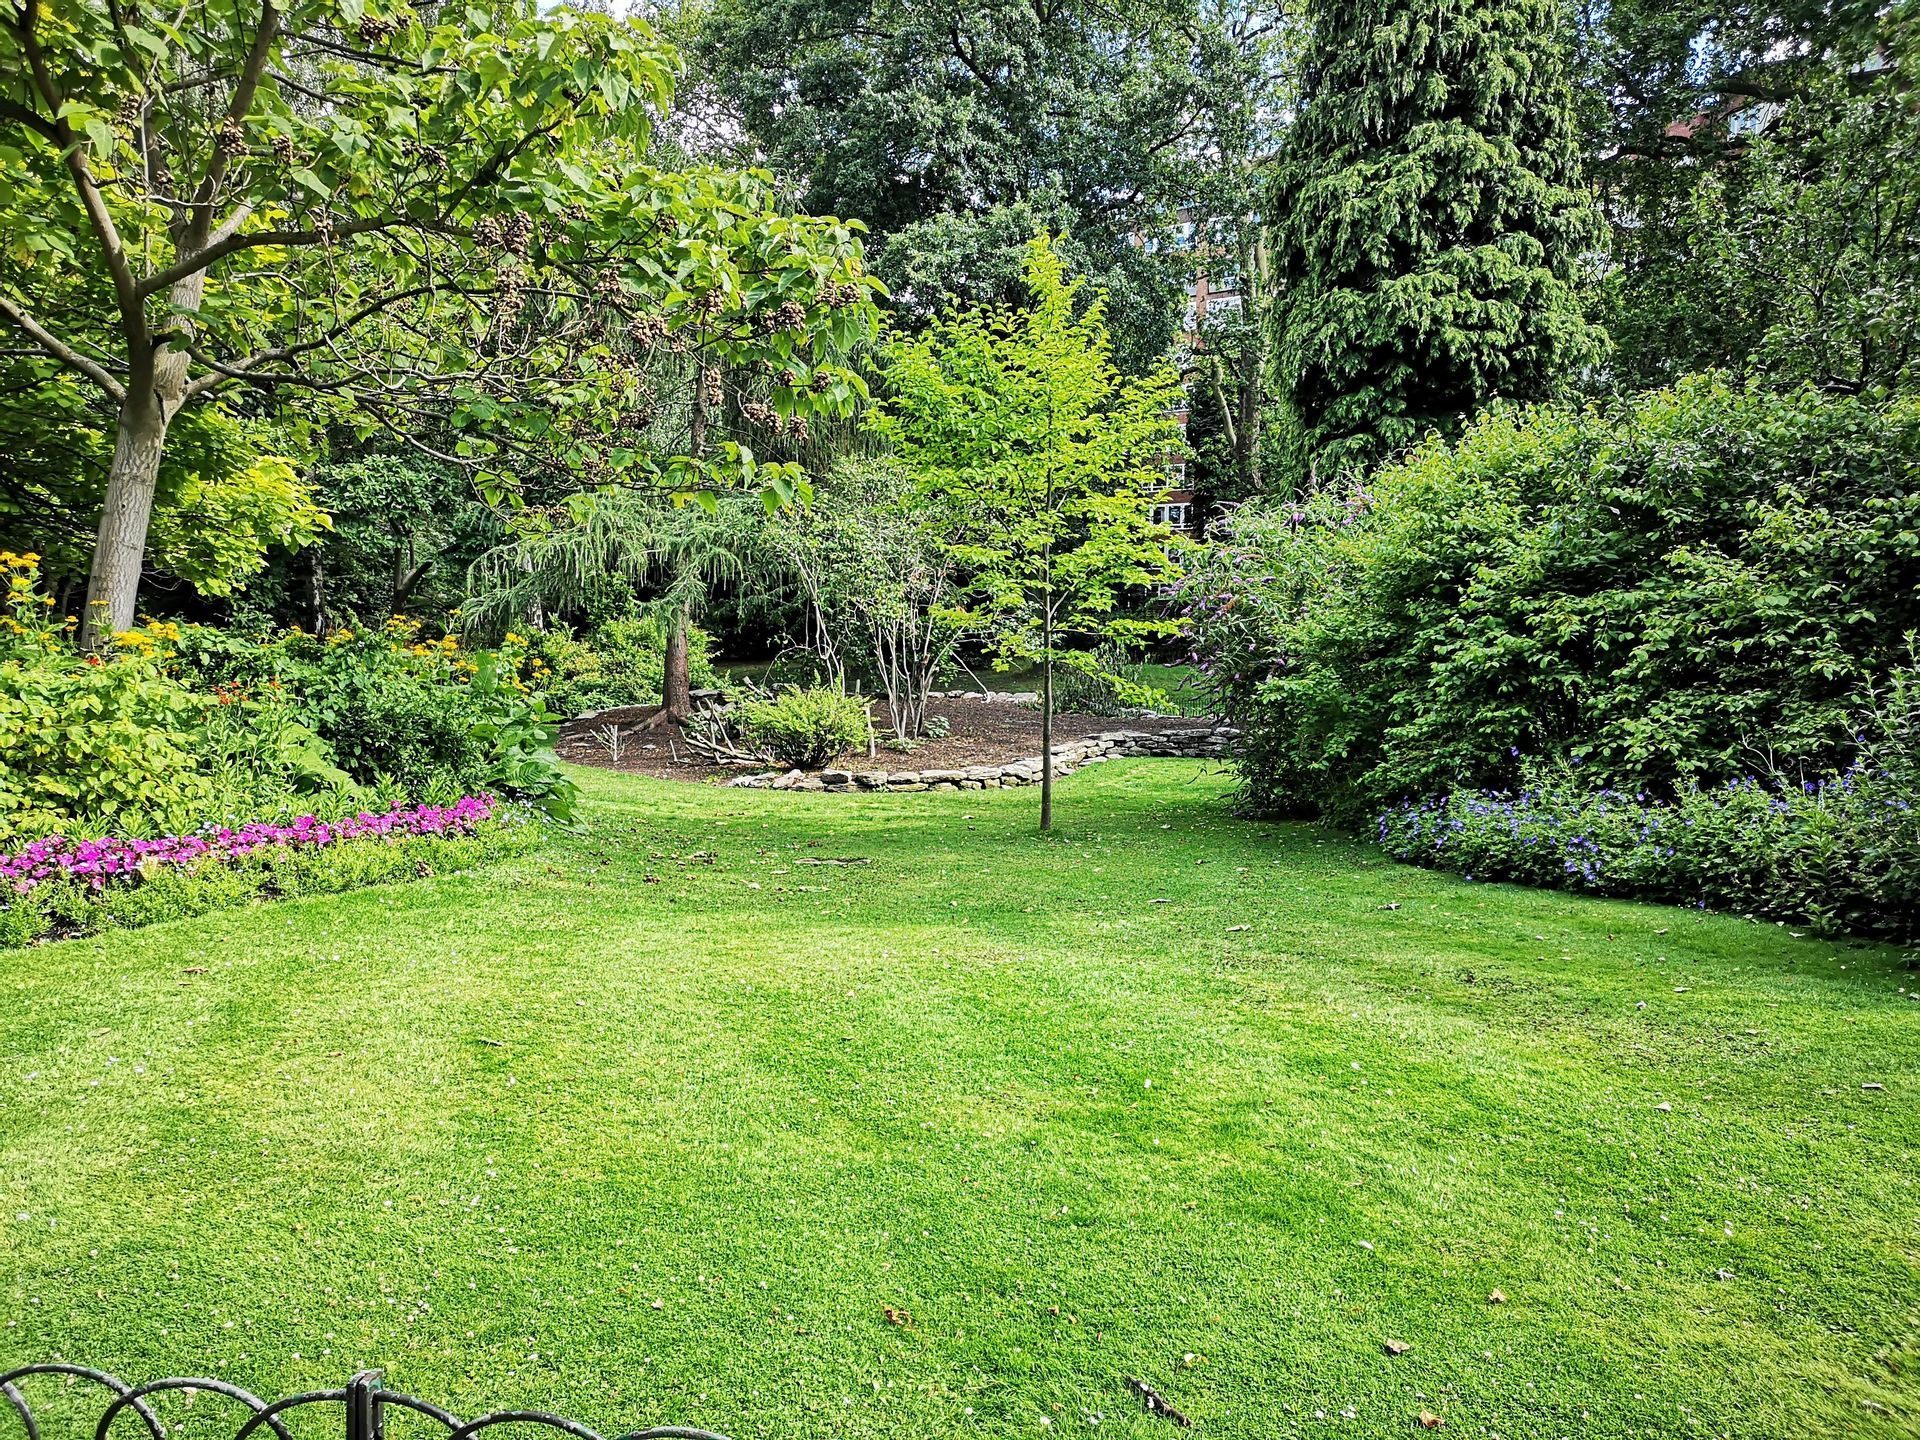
<point x="1197" y="742"/>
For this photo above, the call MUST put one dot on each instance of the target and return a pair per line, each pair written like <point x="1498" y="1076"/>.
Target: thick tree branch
<point x="74" y="152"/>
<point x="244" y="89"/>
<point x="60" y="350"/>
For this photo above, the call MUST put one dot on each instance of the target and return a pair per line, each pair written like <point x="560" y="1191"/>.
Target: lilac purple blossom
<point x="98" y="862"/>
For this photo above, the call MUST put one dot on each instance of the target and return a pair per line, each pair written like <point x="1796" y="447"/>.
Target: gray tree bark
<point x="155" y="391"/>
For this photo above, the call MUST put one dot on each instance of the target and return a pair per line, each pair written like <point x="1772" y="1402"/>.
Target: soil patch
<point x="985" y="732"/>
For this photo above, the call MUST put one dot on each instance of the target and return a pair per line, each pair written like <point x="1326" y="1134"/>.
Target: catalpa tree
<point x="447" y="226"/>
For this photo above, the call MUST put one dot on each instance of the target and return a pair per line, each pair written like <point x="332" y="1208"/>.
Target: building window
<point x="1173" y="516"/>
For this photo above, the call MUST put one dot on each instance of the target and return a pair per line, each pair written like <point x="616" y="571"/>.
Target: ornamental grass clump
<point x="805" y="728"/>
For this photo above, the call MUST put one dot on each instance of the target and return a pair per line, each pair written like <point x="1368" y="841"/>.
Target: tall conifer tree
<point x="1429" y="223"/>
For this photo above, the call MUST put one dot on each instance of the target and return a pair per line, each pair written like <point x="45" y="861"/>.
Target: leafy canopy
<point x="1040" y="460"/>
<point x="447" y="221"/>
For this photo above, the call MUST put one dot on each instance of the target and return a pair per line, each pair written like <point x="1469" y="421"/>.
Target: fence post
<point x="364" y="1420"/>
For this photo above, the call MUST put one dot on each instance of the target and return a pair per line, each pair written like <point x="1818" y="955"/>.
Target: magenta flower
<point x="109" y="858"/>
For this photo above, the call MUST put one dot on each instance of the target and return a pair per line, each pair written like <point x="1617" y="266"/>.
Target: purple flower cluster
<point x="97" y="862"/>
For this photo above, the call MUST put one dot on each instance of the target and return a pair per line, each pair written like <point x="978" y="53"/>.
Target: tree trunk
<point x="113" y="587"/>
<point x="316" y="592"/>
<point x="156" y="388"/>
<point x="677" y="685"/>
<point x="1046" y="722"/>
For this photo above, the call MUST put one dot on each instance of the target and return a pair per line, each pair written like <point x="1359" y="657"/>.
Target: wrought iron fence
<point x="362" y="1398"/>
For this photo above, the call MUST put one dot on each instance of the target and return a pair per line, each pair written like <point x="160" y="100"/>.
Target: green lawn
<point x="551" y="1134"/>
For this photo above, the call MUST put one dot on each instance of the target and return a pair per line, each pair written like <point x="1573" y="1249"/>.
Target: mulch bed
<point x="984" y="733"/>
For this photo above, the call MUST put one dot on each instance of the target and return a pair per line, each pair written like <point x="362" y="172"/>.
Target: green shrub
<point x="1841" y="851"/>
<point x="1658" y="589"/>
<point x="401" y="710"/>
<point x="804" y="729"/>
<point x="107" y="737"/>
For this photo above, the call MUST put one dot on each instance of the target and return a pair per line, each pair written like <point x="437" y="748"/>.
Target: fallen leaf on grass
<point x="832" y="860"/>
<point x="1430" y="1421"/>
<point x="1232" y="928"/>
<point x="194" y="970"/>
<point x="1396" y="1347"/>
<point x="896" y="1316"/>
<point x="1498" y="1297"/>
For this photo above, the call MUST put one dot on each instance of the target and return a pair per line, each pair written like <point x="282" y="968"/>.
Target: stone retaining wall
<point x="1198" y="742"/>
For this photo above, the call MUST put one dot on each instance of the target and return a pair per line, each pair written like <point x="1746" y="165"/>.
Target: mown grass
<point x="658" y="1123"/>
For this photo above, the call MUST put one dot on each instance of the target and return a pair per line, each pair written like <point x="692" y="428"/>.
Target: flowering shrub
<point x="61" y="885"/>
<point x="396" y="705"/>
<point x="1842" y="853"/>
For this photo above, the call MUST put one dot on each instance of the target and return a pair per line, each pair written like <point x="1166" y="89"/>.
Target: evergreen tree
<point x="1429" y="224"/>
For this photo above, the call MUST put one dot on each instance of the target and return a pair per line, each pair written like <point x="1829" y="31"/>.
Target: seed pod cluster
<point x="710" y="302"/>
<point x="283" y="150"/>
<point x="231" y="137"/>
<point x="647" y="330"/>
<point x="758" y="412"/>
<point x="511" y="295"/>
<point x="787" y="315"/>
<point x="608" y="285"/>
<point x="838" y="295"/>
<point x="711" y="392"/>
<point x="373" y="29"/>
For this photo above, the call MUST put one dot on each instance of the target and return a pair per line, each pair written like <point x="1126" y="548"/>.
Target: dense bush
<point x="174" y="727"/>
<point x="805" y="729"/>
<point x="399" y="707"/>
<point x="117" y="741"/>
<point x="1667" y="591"/>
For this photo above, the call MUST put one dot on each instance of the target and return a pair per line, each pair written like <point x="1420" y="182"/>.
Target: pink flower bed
<point x="98" y="861"/>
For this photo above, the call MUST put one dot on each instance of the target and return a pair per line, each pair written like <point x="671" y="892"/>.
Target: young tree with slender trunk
<point x="444" y="225"/>
<point x="1040" y="462"/>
